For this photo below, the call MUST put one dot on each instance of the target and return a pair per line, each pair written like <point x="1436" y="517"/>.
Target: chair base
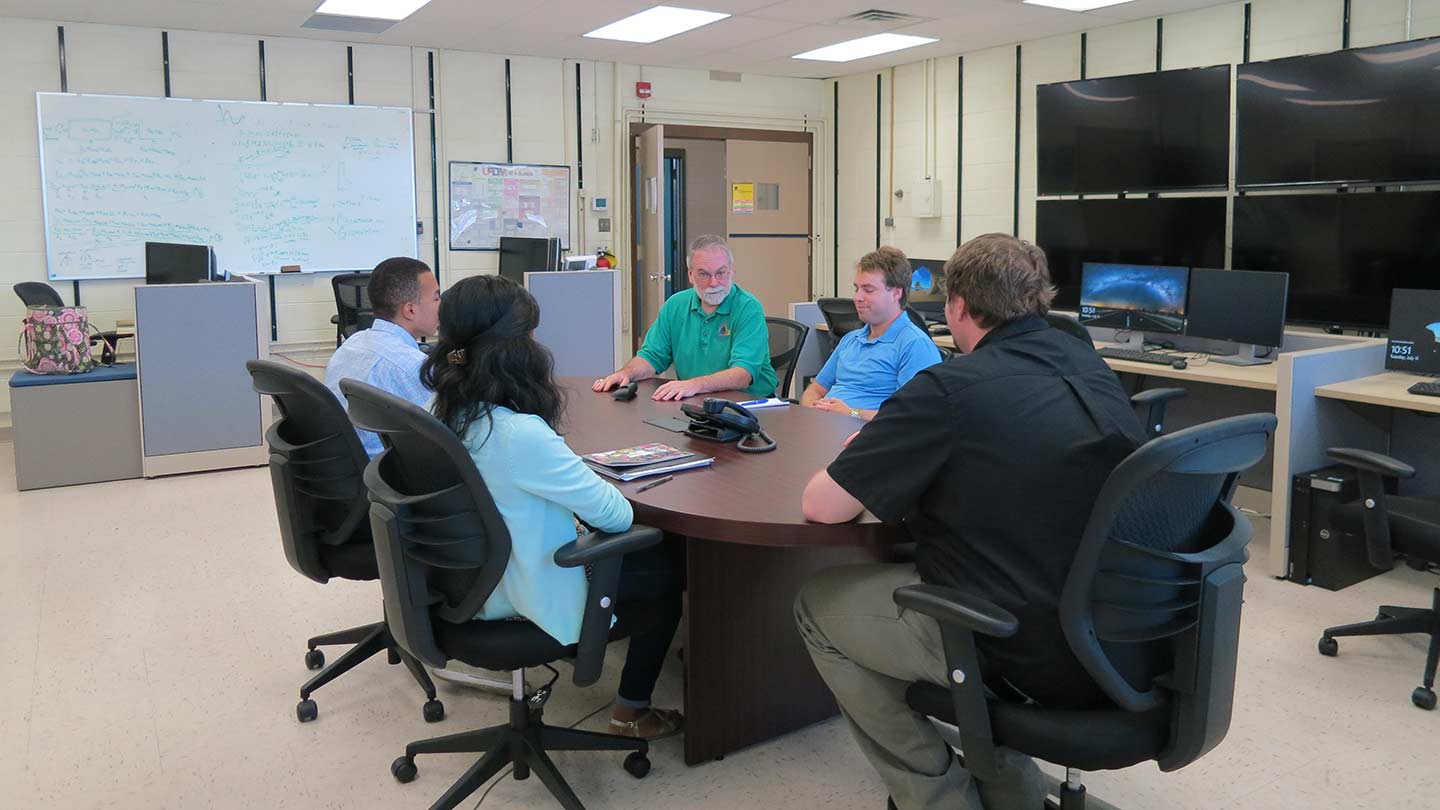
<point x="522" y="744"/>
<point x="1391" y="621"/>
<point x="368" y="641"/>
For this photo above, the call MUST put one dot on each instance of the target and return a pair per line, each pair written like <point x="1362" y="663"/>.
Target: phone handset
<point x="720" y="420"/>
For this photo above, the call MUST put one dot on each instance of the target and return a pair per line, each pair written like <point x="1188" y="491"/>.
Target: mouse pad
<point x="674" y="424"/>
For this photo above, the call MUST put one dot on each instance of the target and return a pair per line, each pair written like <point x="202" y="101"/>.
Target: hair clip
<point x="456" y="357"/>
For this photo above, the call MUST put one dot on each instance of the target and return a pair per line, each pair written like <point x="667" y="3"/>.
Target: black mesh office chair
<point x="352" y="304"/>
<point x="840" y="317"/>
<point x="1151" y="608"/>
<point x="787" y="338"/>
<point x="442" y="547"/>
<point x="316" y="464"/>
<point x="1392" y="525"/>
<point x="1152" y="400"/>
<point x="40" y="294"/>
<point x="917" y="319"/>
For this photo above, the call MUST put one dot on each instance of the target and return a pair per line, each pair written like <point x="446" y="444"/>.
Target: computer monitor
<point x="522" y="254"/>
<point x="169" y="263"/>
<point x="1241" y="306"/>
<point x="1414" y="332"/>
<point x="1134" y="297"/>
<point x="927" y="289"/>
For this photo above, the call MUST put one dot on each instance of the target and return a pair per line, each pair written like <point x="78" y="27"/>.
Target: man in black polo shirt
<point x="992" y="461"/>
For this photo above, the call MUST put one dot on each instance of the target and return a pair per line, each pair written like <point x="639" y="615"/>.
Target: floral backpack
<point x="56" y="340"/>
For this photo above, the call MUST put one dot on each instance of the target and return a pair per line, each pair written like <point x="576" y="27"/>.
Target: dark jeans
<point x="650" y="598"/>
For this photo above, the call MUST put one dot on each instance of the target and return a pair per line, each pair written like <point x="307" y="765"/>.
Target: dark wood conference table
<point x="747" y="676"/>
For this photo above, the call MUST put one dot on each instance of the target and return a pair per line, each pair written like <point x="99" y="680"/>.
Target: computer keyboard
<point x="1139" y="356"/>
<point x="1425" y="389"/>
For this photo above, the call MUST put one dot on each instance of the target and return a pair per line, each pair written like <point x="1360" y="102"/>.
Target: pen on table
<point x="657" y="482"/>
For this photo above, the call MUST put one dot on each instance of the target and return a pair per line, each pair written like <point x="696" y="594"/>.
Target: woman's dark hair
<point x="485" y="356"/>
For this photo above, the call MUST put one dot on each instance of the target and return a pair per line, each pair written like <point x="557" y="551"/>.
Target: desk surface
<point x="1387" y="389"/>
<point x="1260" y="378"/>
<point x="741" y="498"/>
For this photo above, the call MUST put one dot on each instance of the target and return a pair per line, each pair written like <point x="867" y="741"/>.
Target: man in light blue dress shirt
<point x="872" y="363"/>
<point x="406" y="300"/>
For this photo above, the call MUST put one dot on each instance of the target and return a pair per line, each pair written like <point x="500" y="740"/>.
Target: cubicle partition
<point x="197" y="409"/>
<point x="579" y="319"/>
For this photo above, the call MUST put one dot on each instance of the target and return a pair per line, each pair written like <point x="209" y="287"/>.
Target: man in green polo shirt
<point x="713" y="333"/>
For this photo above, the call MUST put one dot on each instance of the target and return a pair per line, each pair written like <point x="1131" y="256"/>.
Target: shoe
<point x="662" y="722"/>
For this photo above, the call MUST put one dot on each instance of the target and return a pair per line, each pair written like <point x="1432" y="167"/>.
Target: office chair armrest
<point x="1374" y="468"/>
<point x="1152" y="395"/>
<point x="953" y="606"/>
<point x="1370" y="461"/>
<point x="588" y="549"/>
<point x="604" y="553"/>
<point x="961" y="616"/>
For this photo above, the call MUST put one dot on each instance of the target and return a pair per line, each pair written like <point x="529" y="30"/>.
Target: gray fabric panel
<point x="577" y="320"/>
<point x="193" y="341"/>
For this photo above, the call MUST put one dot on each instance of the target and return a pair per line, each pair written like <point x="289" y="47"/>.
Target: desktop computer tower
<point x="1320" y="553"/>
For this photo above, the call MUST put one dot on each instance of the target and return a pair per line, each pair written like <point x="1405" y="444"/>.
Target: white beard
<point x="714" y="297"/>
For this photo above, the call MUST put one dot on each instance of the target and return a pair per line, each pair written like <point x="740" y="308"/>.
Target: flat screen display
<point x="926" y="281"/>
<point x="1239" y="306"/>
<point x="1150" y="131"/>
<point x="1344" y="252"/>
<point x="1414" y="332"/>
<point x="170" y="263"/>
<point x="1170" y="231"/>
<point x="520" y="255"/>
<point x="1356" y="116"/>
<point x="1127" y="296"/>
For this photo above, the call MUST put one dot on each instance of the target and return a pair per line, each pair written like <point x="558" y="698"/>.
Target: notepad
<point x="658" y="468"/>
<point x="636" y="456"/>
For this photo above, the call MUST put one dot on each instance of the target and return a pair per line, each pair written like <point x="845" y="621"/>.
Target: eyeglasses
<point x="718" y="275"/>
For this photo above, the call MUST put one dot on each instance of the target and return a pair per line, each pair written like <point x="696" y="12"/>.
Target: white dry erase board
<point x="326" y="187"/>
<point x="491" y="200"/>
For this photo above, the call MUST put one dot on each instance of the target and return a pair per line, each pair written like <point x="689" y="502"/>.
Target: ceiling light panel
<point x="864" y="47"/>
<point x="1075" y="5"/>
<point x="656" y="24"/>
<point x="373" y="9"/>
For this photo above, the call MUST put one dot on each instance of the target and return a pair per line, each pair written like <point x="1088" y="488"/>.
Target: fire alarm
<point x="642" y="89"/>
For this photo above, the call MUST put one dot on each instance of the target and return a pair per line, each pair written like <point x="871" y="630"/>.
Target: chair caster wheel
<point x="637" y="764"/>
<point x="306" y="710"/>
<point x="314" y="659"/>
<point x="1424" y="698"/>
<point x="434" y="711"/>
<point x="403" y="769"/>
<point x="1328" y="646"/>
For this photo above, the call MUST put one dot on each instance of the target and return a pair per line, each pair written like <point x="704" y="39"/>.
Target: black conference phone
<point x="720" y="420"/>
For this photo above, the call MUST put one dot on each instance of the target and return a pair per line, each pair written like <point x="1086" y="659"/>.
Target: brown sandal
<point x="654" y="724"/>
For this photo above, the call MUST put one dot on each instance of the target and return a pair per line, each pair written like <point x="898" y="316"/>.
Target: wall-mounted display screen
<point x="1368" y="115"/>
<point x="1151" y="131"/>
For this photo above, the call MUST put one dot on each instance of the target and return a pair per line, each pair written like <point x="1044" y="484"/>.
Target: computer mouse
<point x="1179" y="364"/>
<point x="625" y="393"/>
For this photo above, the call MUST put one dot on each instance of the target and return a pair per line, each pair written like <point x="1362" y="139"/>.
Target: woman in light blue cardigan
<point x="495" y="388"/>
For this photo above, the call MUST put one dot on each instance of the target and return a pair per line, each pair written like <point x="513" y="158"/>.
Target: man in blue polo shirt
<point x="872" y="363"/>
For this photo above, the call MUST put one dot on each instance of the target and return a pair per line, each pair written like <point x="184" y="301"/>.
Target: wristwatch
<point x="854" y="414"/>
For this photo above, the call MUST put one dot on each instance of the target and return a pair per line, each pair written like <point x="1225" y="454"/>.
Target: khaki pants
<point x="868" y="651"/>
